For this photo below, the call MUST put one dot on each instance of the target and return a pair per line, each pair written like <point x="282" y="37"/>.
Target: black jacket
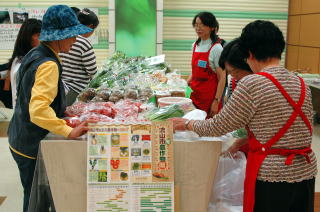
<point x="24" y="136"/>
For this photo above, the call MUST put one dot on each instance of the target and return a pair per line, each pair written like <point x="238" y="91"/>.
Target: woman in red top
<point x="207" y="79"/>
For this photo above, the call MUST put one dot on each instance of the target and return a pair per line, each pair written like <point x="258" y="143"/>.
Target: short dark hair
<point x="23" y="43"/>
<point x="75" y="10"/>
<point x="233" y="55"/>
<point x="208" y="19"/>
<point x="263" y="39"/>
<point x="88" y="17"/>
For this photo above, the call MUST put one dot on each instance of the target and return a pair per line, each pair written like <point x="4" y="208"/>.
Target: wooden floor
<point x="2" y="200"/>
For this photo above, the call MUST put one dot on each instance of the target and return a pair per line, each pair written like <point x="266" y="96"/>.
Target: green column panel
<point x="136" y="27"/>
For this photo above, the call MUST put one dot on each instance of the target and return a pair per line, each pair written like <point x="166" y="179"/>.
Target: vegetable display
<point x="125" y="89"/>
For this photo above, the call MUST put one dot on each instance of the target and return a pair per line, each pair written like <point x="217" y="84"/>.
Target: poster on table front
<point x="130" y="167"/>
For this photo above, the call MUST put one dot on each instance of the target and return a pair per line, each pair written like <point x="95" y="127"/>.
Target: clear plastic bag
<point x="227" y="194"/>
<point x="190" y="135"/>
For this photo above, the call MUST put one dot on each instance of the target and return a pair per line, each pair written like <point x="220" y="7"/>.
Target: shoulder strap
<point x="213" y="45"/>
<point x="296" y="106"/>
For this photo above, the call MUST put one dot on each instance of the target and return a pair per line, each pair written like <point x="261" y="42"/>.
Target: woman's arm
<point x="43" y="94"/>
<point x="220" y="88"/>
<point x="189" y="79"/>
<point x="234" y="115"/>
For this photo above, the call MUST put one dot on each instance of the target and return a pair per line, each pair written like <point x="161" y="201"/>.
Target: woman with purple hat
<point x="40" y="93"/>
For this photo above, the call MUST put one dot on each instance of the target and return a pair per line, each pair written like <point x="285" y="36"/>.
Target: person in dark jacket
<point x="40" y="93"/>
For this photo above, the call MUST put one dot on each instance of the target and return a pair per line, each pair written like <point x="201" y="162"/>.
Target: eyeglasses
<point x="199" y="25"/>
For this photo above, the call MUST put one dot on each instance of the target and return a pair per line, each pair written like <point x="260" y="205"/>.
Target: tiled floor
<point x="10" y="185"/>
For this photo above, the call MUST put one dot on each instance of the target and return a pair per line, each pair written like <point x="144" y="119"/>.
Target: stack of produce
<point x="121" y="90"/>
<point x="119" y="70"/>
<point x="133" y="78"/>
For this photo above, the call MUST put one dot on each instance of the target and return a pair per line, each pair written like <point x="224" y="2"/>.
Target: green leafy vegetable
<point x="164" y="113"/>
<point x="240" y="133"/>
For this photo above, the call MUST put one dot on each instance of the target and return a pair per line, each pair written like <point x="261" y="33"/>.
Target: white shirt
<point x="13" y="79"/>
<point x="214" y="56"/>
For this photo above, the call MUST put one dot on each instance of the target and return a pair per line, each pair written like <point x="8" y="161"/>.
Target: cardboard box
<point x="195" y="165"/>
<point x="309" y="59"/>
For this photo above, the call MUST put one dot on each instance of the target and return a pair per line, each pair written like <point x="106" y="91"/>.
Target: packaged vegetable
<point x="76" y="109"/>
<point x="240" y="133"/>
<point x="87" y="95"/>
<point x="72" y="121"/>
<point x="164" y="113"/>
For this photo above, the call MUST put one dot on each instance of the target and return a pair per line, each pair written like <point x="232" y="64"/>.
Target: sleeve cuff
<point x="66" y="131"/>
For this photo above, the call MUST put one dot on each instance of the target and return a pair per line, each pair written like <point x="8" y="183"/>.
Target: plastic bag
<point x="76" y="109"/>
<point x="127" y="110"/>
<point x="72" y="121"/>
<point x="227" y="194"/>
<point x="189" y="135"/>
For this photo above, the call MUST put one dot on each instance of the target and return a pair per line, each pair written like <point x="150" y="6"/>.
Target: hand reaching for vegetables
<point x="80" y="130"/>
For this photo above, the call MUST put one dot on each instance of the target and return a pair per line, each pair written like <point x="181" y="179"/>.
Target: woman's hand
<point x="80" y="130"/>
<point x="179" y="124"/>
<point x="214" y="109"/>
<point x="234" y="148"/>
<point x="189" y="79"/>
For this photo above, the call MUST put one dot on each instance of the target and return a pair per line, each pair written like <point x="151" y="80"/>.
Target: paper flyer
<point x="130" y="167"/>
<point x="11" y="19"/>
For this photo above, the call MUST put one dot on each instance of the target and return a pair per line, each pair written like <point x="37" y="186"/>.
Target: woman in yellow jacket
<point x="40" y="93"/>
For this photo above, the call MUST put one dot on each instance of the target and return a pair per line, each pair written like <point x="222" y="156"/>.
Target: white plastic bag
<point x="227" y="194"/>
<point x="189" y="135"/>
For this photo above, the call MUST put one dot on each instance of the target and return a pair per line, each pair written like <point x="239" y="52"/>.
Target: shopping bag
<point x="195" y="114"/>
<point x="227" y="193"/>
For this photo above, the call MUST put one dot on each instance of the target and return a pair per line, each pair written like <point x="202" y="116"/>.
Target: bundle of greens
<point x="160" y="114"/>
<point x="120" y="69"/>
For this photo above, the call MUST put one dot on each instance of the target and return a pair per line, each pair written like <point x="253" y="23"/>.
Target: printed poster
<point x="11" y="19"/>
<point x="129" y="169"/>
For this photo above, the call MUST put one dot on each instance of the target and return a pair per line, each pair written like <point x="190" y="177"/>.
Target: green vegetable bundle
<point x="120" y="69"/>
<point x="240" y="133"/>
<point x="160" y="114"/>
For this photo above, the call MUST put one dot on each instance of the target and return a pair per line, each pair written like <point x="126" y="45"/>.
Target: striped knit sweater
<point x="256" y="102"/>
<point x="79" y="64"/>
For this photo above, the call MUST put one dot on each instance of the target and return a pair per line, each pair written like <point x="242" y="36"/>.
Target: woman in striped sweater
<point x="79" y="64"/>
<point x="275" y="107"/>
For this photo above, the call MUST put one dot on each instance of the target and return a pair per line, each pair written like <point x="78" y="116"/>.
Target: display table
<point x="315" y="91"/>
<point x="64" y="164"/>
